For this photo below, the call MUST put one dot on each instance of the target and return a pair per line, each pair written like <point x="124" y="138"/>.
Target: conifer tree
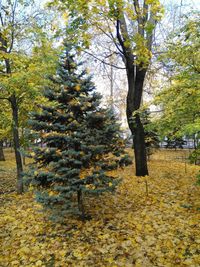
<point x="81" y="141"/>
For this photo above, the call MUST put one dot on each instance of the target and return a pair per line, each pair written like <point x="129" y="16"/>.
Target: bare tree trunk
<point x="136" y="78"/>
<point x="140" y="149"/>
<point x="18" y="158"/>
<point x="23" y="155"/>
<point x="2" y="157"/>
<point x="80" y="204"/>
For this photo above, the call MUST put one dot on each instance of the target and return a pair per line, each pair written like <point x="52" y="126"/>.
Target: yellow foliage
<point x="128" y="228"/>
<point x="77" y="87"/>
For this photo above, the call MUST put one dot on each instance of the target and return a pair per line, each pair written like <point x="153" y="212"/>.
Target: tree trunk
<point x="23" y="155"/>
<point x="140" y="149"/>
<point x="14" y="106"/>
<point x="136" y="76"/>
<point x="2" y="157"/>
<point x="80" y="204"/>
<point x="24" y="160"/>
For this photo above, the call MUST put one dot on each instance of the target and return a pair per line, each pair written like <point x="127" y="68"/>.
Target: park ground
<point x="147" y="222"/>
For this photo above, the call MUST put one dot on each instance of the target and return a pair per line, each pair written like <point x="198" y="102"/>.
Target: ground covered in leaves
<point x="128" y="228"/>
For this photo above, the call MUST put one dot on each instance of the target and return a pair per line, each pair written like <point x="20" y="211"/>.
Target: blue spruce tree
<point x="81" y="142"/>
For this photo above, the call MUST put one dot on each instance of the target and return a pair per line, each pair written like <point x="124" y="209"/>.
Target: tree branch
<point x="4" y="98"/>
<point x="103" y="61"/>
<point x="111" y="37"/>
<point x="12" y="25"/>
<point x="1" y="19"/>
<point x="139" y="17"/>
<point x="119" y="37"/>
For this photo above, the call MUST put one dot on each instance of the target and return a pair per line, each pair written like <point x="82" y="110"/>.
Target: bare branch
<point x="110" y="36"/>
<point x="122" y="35"/>
<point x="137" y="7"/>
<point x="119" y="37"/>
<point x="150" y="34"/>
<point x="103" y="61"/>
<point x="145" y="9"/>
<point x="157" y="111"/>
<point x="139" y="17"/>
<point x="1" y="19"/>
<point x="12" y="25"/>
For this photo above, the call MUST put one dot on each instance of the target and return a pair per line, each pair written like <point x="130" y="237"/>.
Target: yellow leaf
<point x="15" y="263"/>
<point x="77" y="87"/>
<point x="38" y="263"/>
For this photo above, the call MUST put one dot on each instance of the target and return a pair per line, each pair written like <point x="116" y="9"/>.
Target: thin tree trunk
<point x="80" y="204"/>
<point x="18" y="158"/>
<point x="2" y="157"/>
<point x="195" y="144"/>
<point x="23" y="156"/>
<point x="112" y="87"/>
<point x="24" y="160"/>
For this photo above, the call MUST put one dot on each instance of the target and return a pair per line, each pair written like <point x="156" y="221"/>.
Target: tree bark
<point x="2" y="157"/>
<point x="18" y="158"/>
<point x="140" y="149"/>
<point x="136" y="76"/>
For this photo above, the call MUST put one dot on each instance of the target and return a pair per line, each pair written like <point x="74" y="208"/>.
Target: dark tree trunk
<point x="18" y="158"/>
<point x="23" y="156"/>
<point x="195" y="143"/>
<point x="136" y="76"/>
<point x="2" y="157"/>
<point x="140" y="149"/>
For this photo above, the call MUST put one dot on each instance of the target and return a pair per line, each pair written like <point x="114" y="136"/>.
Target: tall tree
<point x="17" y="68"/>
<point x="82" y="141"/>
<point x="129" y="25"/>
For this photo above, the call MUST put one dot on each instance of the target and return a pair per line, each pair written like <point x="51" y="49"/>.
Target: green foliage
<point x="181" y="99"/>
<point x="28" y="50"/>
<point x="151" y="136"/>
<point x="81" y="141"/>
<point x="195" y="156"/>
<point x="198" y="178"/>
<point x="5" y="120"/>
<point x="86" y="19"/>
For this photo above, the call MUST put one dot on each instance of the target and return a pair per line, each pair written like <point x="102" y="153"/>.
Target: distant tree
<point x="82" y="141"/>
<point x="180" y="100"/>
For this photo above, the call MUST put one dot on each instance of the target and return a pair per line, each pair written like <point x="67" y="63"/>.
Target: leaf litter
<point x="148" y="221"/>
